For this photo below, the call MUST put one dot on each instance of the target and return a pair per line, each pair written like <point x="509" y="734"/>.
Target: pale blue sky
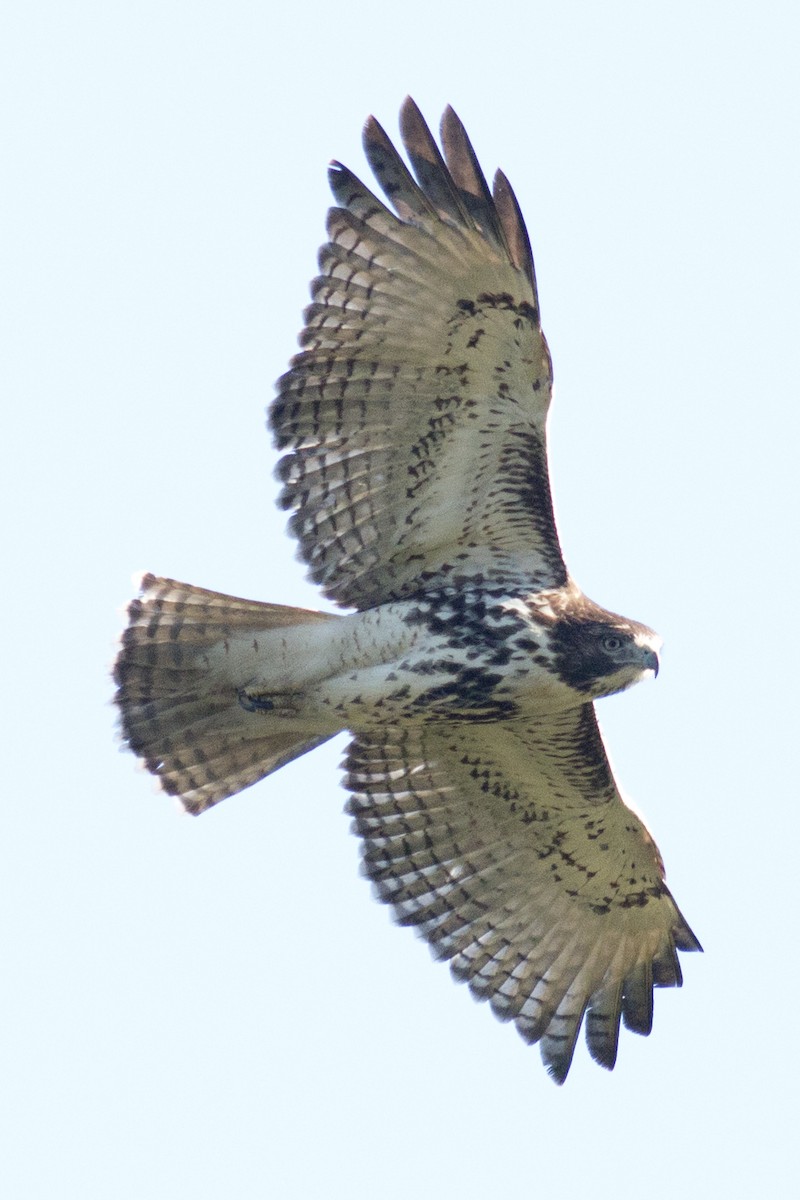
<point x="217" y="1008"/>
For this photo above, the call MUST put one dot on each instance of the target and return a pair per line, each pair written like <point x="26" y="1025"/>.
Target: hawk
<point x="413" y="426"/>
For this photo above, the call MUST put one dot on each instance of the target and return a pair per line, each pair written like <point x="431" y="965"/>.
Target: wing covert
<point x="414" y="414"/>
<point x="510" y="850"/>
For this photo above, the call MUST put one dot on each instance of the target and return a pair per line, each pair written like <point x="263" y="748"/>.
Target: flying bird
<point x="413" y="426"/>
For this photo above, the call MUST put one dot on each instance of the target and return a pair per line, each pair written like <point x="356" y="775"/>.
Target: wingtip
<point x="685" y="940"/>
<point x="410" y="118"/>
<point x="372" y="131"/>
<point x="557" y="1070"/>
<point x="408" y="107"/>
<point x="451" y="125"/>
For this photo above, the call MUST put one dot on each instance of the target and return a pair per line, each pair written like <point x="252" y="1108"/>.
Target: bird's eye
<point x="612" y="642"/>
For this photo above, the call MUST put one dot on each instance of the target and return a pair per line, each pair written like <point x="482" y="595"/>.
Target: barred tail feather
<point x="178" y="715"/>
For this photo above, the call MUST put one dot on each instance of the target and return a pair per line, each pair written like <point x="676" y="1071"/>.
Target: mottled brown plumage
<point x="413" y="425"/>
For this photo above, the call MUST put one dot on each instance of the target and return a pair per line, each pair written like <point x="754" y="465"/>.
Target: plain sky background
<point x="217" y="1008"/>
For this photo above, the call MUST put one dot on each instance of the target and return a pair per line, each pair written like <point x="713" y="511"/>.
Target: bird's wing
<point x="510" y="849"/>
<point x="414" y="416"/>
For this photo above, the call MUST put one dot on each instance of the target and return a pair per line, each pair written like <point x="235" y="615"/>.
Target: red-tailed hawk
<point x="414" y="425"/>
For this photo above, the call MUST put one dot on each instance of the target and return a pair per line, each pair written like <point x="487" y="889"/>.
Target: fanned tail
<point x="179" y="712"/>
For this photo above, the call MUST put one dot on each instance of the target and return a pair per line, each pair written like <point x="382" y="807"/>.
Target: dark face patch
<point x="579" y="654"/>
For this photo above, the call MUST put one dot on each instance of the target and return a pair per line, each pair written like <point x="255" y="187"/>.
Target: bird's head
<point x="597" y="652"/>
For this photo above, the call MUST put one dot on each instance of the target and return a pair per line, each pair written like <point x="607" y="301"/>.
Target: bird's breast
<point x="461" y="656"/>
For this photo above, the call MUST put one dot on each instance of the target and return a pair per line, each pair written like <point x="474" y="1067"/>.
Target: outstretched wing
<point x="415" y="413"/>
<point x="510" y="849"/>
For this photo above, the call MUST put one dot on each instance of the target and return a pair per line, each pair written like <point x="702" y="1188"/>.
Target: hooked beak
<point x="651" y="661"/>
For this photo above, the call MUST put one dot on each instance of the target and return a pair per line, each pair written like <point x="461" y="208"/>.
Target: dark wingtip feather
<point x="468" y="177"/>
<point x="686" y="940"/>
<point x="513" y="222"/>
<point x="429" y="165"/>
<point x="347" y="188"/>
<point x="397" y="183"/>
<point x="637" y="1000"/>
<point x="557" y="1051"/>
<point x="602" y="1028"/>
